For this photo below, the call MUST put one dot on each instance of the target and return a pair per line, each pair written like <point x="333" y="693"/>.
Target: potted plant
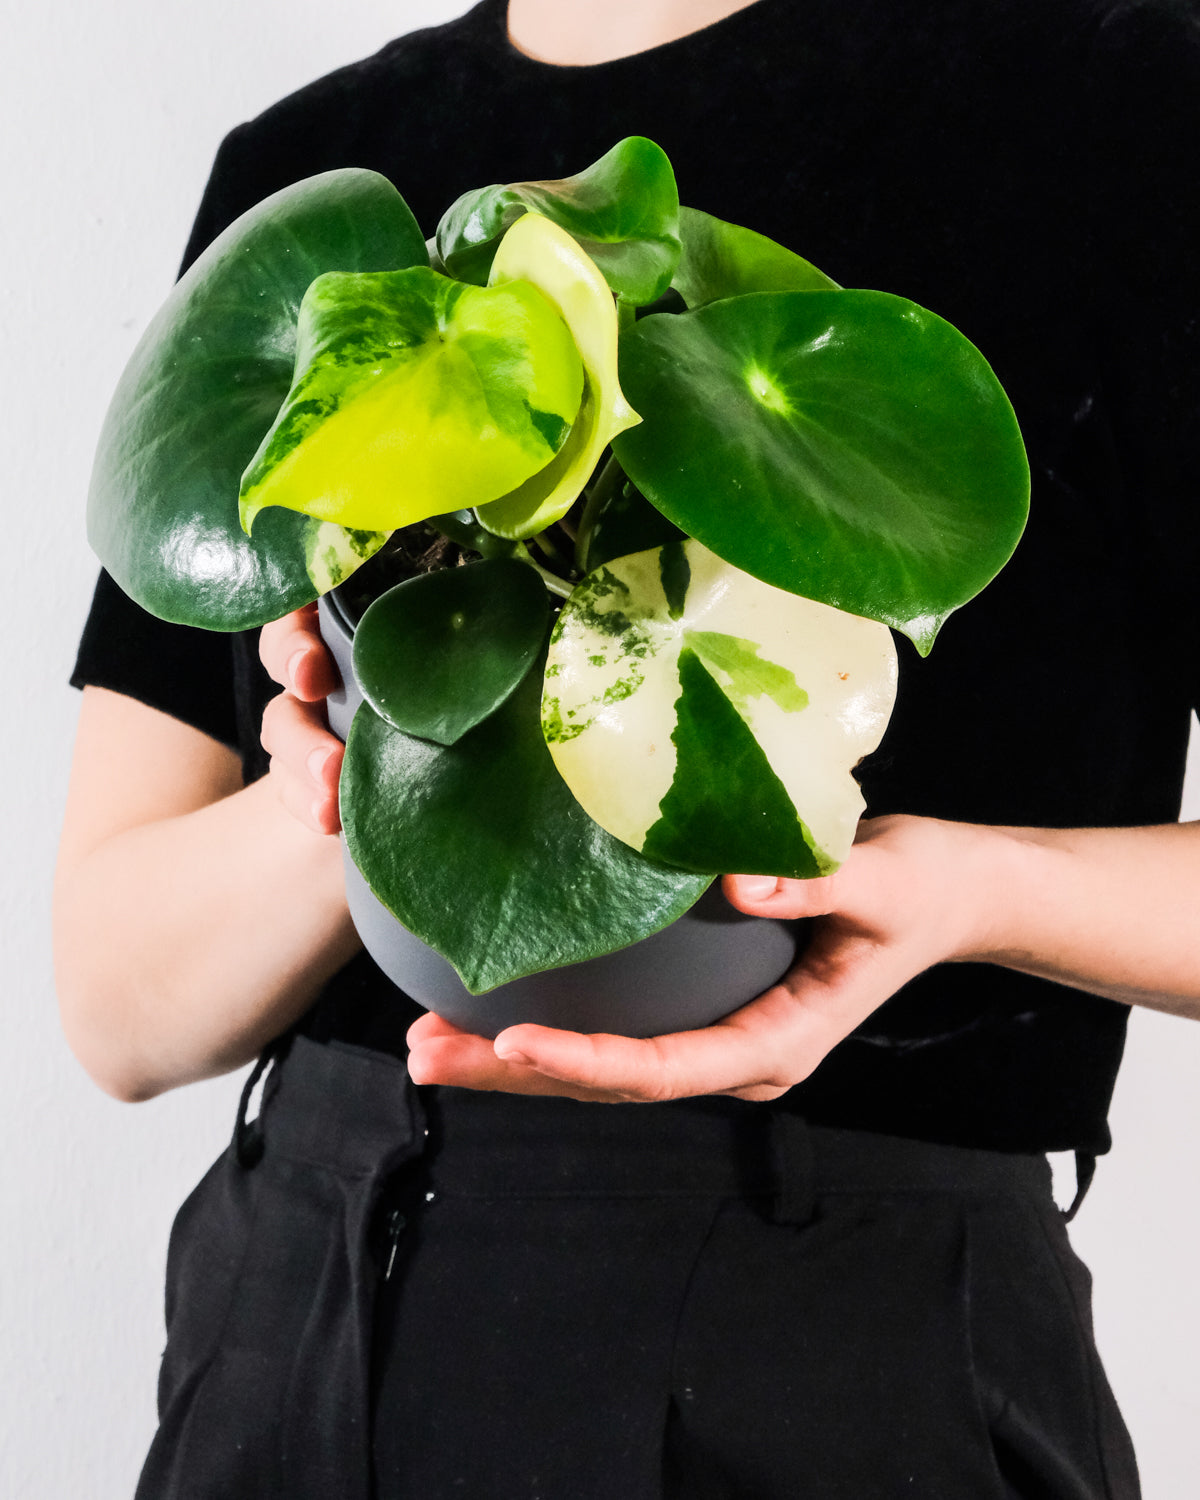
<point x="681" y="487"/>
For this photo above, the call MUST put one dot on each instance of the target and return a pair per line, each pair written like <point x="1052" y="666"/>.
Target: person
<point x="810" y="1249"/>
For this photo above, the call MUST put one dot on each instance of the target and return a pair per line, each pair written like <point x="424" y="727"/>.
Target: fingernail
<point x="514" y="1056"/>
<point x="317" y="761"/>
<point x="758" y="887"/>
<point x="293" y="664"/>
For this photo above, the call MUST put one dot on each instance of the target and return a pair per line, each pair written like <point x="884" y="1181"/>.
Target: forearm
<point x="183" y="945"/>
<point x="1115" y="911"/>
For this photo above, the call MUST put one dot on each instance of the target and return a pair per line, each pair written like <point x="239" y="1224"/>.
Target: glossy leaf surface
<point x="537" y="251"/>
<point x="712" y="721"/>
<point x="202" y="387"/>
<point x="623" y="210"/>
<point x="437" y="654"/>
<point x="483" y="853"/>
<point x="414" y="395"/>
<point x="847" y="446"/>
<point x="721" y="260"/>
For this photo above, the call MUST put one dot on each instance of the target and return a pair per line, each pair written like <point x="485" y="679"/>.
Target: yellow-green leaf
<point x="414" y="395"/>
<point x="538" y="251"/>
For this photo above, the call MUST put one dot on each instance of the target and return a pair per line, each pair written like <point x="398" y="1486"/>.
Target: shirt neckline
<point x="515" y="57"/>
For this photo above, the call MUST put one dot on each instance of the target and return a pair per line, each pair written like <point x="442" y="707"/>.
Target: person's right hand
<point x="306" y="759"/>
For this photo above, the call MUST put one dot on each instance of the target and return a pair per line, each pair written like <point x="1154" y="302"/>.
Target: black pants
<point x="707" y="1299"/>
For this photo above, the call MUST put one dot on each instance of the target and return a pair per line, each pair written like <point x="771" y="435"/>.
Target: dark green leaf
<point x="726" y="808"/>
<point x="623" y="210"/>
<point x="847" y="446"/>
<point x="437" y="654"/>
<point x="721" y="260"/>
<point x="204" y="385"/>
<point x="483" y="853"/>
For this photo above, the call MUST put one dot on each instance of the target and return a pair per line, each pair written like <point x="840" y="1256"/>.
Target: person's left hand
<point x="913" y="892"/>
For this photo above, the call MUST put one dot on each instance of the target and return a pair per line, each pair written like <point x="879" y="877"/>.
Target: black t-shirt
<point x="1026" y="169"/>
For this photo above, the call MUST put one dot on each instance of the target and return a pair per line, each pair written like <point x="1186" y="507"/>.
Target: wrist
<point x="1009" y="878"/>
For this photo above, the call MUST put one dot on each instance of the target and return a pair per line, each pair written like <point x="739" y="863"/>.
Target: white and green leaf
<point x="414" y="395"/>
<point x="712" y="721"/>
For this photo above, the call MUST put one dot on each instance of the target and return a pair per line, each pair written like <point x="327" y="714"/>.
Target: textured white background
<point x="109" y="116"/>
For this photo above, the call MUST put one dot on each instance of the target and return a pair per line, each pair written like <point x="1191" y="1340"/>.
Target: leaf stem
<point x="607" y="483"/>
<point x="553" y="582"/>
<point x="463" y="527"/>
<point x="547" y="545"/>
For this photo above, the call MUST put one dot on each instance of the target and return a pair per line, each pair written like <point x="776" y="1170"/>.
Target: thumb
<point x="796" y="1024"/>
<point x="841" y="979"/>
<point x="777" y="896"/>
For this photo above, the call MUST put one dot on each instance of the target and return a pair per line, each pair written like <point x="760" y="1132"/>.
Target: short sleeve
<point x="179" y="670"/>
<point x="221" y="202"/>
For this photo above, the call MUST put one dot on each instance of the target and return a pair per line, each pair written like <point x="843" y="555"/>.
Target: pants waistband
<point x="357" y="1113"/>
<point x="492" y="1146"/>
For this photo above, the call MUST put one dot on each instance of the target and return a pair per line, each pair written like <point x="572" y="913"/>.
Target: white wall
<point x="1139" y="1231"/>
<point x="109" y="115"/>
<point x="110" y="111"/>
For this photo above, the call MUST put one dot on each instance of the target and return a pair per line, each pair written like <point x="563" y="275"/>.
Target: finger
<point x="457" y="1059"/>
<point x="296" y="657"/>
<point x="318" y="813"/>
<point x="757" y="1052"/>
<point x="297" y="736"/>
<point x="743" y="1051"/>
<point x="306" y="761"/>
<point x="431" y="1025"/>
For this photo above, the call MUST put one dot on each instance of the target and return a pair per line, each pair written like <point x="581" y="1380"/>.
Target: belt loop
<point x="247" y="1135"/>
<point x="1085" y="1170"/>
<point x="795" y="1169"/>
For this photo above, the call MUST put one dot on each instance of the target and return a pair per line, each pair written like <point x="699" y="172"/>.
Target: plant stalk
<point x="553" y="582"/>
<point x="608" y="482"/>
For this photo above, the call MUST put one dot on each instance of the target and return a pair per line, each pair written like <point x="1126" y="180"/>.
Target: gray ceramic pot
<point x="709" y="962"/>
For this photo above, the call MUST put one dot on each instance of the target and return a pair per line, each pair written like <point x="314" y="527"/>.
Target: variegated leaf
<point x="710" y="720"/>
<point x="331" y="553"/>
<point x="536" y="250"/>
<point x="414" y="395"/>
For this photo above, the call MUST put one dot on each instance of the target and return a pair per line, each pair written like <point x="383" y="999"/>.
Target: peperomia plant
<point x="691" y="482"/>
